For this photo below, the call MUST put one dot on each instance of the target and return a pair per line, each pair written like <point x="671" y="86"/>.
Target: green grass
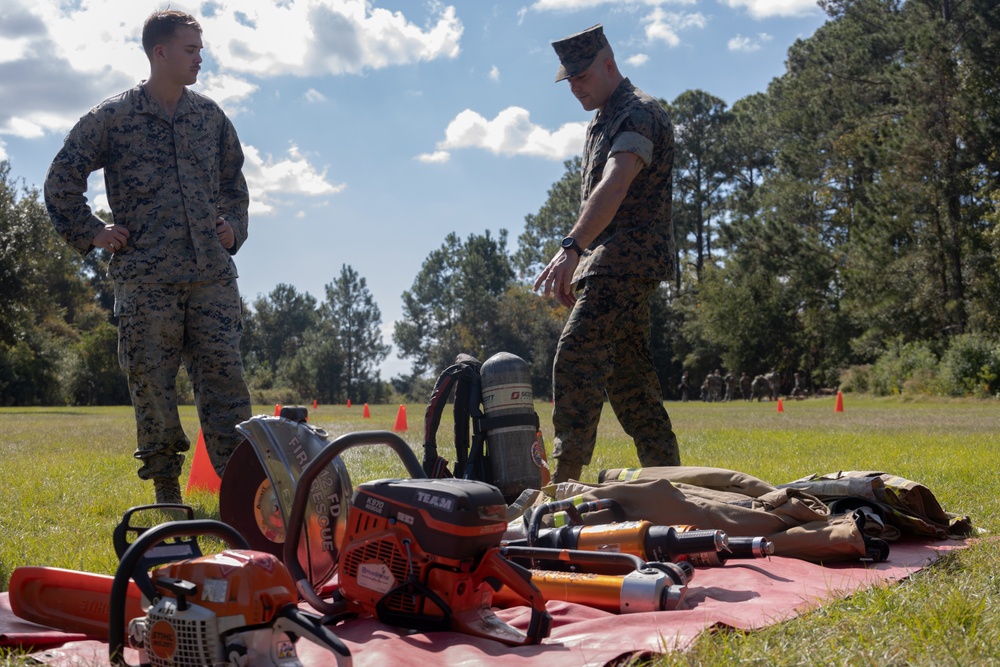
<point x="66" y="476"/>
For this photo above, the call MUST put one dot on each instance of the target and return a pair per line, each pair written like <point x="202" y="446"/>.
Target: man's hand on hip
<point x="225" y="233"/>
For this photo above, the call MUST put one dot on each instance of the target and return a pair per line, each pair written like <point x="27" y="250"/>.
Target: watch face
<point x="568" y="242"/>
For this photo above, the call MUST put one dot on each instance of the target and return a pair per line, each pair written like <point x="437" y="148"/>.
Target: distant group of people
<point x="717" y="387"/>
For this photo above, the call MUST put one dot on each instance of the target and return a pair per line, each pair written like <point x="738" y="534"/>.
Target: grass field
<point x="66" y="476"/>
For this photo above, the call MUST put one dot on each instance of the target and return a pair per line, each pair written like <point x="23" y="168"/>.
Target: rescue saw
<point x="417" y="553"/>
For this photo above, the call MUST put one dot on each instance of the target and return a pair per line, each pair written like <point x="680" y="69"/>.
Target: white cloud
<point x="748" y="44"/>
<point x="314" y="96"/>
<point x="269" y="179"/>
<point x="58" y="59"/>
<point x="316" y="37"/>
<point x="228" y="90"/>
<point x="437" y="157"/>
<point x="494" y="73"/>
<point x="766" y="8"/>
<point x="3" y="150"/>
<point x="512" y="133"/>
<point x="663" y="26"/>
<point x="638" y="60"/>
<point x="572" y="5"/>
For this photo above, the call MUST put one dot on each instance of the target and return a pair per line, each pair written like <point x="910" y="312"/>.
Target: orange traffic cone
<point x="367" y="414"/>
<point x="400" y="419"/>
<point x="348" y="402"/>
<point x="781" y="406"/>
<point x="839" y="407"/>
<point x="203" y="475"/>
<point x="315" y="404"/>
<point x="277" y="409"/>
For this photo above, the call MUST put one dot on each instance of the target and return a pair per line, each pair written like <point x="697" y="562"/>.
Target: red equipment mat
<point x="743" y="595"/>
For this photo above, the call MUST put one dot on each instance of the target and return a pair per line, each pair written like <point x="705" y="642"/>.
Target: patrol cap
<point x="577" y="52"/>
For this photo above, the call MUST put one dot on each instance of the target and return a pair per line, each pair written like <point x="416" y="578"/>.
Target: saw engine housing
<point x="208" y="608"/>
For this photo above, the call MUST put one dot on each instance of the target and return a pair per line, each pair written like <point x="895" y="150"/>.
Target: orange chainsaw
<point x="238" y="607"/>
<point x="234" y="608"/>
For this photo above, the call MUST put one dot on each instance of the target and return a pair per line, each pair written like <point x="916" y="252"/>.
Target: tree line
<point x="843" y="224"/>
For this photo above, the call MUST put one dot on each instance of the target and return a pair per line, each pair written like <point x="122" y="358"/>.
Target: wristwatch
<point x="569" y="243"/>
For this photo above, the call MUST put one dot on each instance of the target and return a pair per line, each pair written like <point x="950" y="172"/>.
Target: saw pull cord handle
<point x="132" y="557"/>
<point x="303" y="489"/>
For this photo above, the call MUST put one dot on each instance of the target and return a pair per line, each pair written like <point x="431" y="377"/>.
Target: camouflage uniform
<point x="176" y="296"/>
<point x="604" y="346"/>
<point x="745" y="386"/>
<point x="714" y="381"/>
<point x="730" y="386"/>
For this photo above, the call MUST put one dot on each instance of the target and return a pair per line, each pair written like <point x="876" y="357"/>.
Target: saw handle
<point x="303" y="489"/>
<point x="573" y="512"/>
<point x="518" y="580"/>
<point x="132" y="557"/>
<point x="295" y="622"/>
<point x="125" y="533"/>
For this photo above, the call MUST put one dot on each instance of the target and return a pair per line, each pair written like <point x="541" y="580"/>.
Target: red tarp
<point x="744" y="595"/>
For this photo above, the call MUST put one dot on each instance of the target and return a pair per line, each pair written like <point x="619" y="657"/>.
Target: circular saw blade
<point x="247" y="502"/>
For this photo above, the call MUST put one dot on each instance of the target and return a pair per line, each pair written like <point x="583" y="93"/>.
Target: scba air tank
<point x="514" y="441"/>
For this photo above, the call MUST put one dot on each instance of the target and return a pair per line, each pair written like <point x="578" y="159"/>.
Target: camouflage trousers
<point x="604" y="351"/>
<point x="161" y="326"/>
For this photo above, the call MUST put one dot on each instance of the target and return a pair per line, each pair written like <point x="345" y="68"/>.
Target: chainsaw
<point x="235" y="608"/>
<point x="417" y="553"/>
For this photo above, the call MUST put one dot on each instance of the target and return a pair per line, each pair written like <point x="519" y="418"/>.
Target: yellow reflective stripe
<point x="559" y="518"/>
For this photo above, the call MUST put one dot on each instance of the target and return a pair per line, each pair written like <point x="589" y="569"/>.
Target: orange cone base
<point x="400" y="419"/>
<point x="203" y="476"/>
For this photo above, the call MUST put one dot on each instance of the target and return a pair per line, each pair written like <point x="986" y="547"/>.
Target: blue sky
<point x="373" y="129"/>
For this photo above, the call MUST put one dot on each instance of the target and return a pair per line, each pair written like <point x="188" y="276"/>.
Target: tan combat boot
<point x="168" y="490"/>
<point x="566" y="471"/>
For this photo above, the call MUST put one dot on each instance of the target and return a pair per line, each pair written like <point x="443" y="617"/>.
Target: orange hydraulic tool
<point x="702" y="548"/>
<point x="644" y="586"/>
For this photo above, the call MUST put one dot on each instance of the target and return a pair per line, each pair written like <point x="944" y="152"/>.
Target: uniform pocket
<point x="125" y="310"/>
<point x="207" y="154"/>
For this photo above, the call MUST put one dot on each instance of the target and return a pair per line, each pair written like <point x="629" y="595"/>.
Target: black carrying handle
<point x="296" y="519"/>
<point x="132" y="557"/>
<point x="573" y="511"/>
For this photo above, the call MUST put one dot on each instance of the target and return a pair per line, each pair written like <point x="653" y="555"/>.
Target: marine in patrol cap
<point x="577" y="52"/>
